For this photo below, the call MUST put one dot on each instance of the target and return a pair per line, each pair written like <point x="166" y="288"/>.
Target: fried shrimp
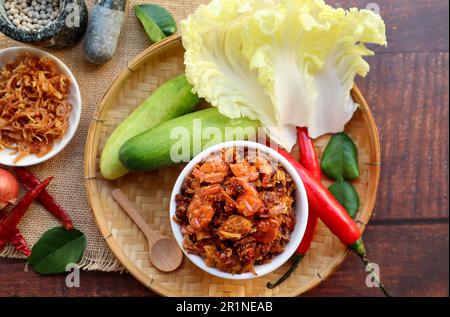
<point x="236" y="212"/>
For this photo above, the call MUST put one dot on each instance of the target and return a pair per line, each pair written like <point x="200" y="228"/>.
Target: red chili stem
<point x="359" y="249"/>
<point x="30" y="181"/>
<point x="296" y="259"/>
<point x="10" y="222"/>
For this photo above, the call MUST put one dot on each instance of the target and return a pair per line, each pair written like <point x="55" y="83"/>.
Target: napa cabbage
<point x="285" y="63"/>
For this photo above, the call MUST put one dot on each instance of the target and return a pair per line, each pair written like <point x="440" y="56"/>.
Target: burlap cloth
<point x="67" y="167"/>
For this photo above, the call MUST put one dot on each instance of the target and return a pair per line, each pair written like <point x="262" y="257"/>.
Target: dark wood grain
<point x="411" y="25"/>
<point x="413" y="261"/>
<point x="14" y="281"/>
<point x="408" y="90"/>
<point x="408" y="94"/>
<point x="416" y="264"/>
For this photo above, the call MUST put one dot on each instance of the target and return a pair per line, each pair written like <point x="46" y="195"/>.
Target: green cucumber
<point x="172" y="142"/>
<point x="174" y="98"/>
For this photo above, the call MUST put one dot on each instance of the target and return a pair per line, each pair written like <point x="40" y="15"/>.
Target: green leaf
<point x="346" y="195"/>
<point x="161" y="17"/>
<point x="151" y="28"/>
<point x="340" y="159"/>
<point x="157" y="21"/>
<point x="55" y="249"/>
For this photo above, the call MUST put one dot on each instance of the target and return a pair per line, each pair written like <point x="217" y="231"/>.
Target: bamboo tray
<point x="151" y="192"/>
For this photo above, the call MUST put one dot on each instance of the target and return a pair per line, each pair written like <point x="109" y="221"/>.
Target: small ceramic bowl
<point x="65" y="31"/>
<point x="301" y="211"/>
<point x="11" y="54"/>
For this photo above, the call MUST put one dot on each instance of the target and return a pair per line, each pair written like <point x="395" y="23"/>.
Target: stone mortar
<point x="59" y="34"/>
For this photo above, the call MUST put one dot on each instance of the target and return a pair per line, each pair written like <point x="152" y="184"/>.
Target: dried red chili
<point x="18" y="241"/>
<point x="8" y="225"/>
<point x="30" y="181"/>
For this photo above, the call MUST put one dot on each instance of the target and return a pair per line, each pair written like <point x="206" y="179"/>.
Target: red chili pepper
<point x="334" y="216"/>
<point x="18" y="241"/>
<point x="328" y="208"/>
<point x="8" y="225"/>
<point x="29" y="181"/>
<point x="308" y="158"/>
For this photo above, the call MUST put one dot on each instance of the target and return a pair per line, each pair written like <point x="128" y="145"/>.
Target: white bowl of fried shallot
<point x="40" y="106"/>
<point x="239" y="210"/>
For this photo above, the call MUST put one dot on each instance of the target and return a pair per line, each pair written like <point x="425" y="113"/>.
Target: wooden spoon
<point x="164" y="252"/>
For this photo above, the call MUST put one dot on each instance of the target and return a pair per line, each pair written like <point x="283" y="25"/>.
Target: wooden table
<point x="408" y="89"/>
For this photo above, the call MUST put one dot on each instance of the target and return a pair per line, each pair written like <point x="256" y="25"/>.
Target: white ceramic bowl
<point x="11" y="54"/>
<point x="301" y="209"/>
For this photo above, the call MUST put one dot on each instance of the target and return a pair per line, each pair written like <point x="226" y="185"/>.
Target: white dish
<point x="301" y="208"/>
<point x="11" y="54"/>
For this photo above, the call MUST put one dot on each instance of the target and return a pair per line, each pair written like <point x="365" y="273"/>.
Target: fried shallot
<point x="34" y="111"/>
<point x="236" y="210"/>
